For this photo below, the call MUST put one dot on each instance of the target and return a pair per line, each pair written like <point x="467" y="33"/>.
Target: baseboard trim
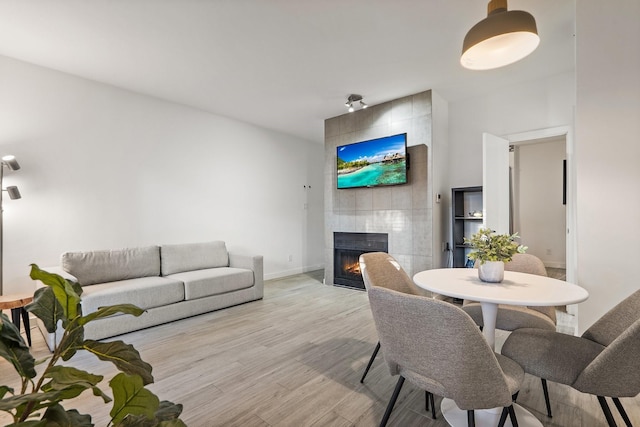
<point x="293" y="271"/>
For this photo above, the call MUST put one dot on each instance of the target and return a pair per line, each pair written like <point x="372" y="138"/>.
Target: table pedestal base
<point x="485" y="417"/>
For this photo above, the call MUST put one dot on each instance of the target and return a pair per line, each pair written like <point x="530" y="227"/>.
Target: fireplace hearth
<point x="347" y="250"/>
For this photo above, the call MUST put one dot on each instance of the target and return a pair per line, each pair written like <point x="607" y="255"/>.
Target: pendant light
<point x="500" y="39"/>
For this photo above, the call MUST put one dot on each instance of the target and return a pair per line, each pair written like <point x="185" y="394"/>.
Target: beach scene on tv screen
<point x="371" y="163"/>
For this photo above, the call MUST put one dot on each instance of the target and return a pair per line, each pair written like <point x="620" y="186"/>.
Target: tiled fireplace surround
<point x="404" y="212"/>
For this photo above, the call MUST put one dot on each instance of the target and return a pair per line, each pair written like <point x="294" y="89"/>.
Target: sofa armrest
<point x="253" y="263"/>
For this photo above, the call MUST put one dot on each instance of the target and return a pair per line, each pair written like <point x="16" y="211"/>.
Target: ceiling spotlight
<point x="354" y="98"/>
<point x="500" y="39"/>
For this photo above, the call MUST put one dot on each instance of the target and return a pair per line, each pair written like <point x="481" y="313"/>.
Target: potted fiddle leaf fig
<point x="492" y="250"/>
<point x="38" y="402"/>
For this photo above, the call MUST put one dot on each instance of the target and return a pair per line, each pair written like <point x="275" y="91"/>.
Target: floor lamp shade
<point x="500" y="39"/>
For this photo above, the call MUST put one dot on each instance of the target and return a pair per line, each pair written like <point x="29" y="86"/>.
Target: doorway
<point x="496" y="193"/>
<point x="537" y="171"/>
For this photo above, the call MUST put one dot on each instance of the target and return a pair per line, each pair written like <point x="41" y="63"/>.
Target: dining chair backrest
<point x="522" y="263"/>
<point x="615" y="372"/>
<point x="526" y="263"/>
<point x="440" y="344"/>
<point x="531" y="264"/>
<point x="616" y="321"/>
<point x="381" y="269"/>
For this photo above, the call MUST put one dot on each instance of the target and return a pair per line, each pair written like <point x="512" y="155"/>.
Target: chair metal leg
<point x="471" y="418"/>
<point x="428" y="401"/>
<point x="546" y="397"/>
<point x="373" y="357"/>
<point x="392" y="402"/>
<point x="622" y="412"/>
<point x="503" y="416"/>
<point x="607" y="412"/>
<point x="512" y="416"/>
<point x="433" y="406"/>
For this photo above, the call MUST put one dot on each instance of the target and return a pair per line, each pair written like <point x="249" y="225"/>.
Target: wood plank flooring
<point x="292" y="359"/>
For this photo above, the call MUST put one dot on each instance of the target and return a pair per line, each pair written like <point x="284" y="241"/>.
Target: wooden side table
<point x="16" y="303"/>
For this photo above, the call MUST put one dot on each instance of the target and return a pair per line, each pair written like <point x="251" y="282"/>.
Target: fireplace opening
<point x="347" y="250"/>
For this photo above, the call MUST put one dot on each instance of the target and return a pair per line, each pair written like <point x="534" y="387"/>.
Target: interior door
<point x="495" y="183"/>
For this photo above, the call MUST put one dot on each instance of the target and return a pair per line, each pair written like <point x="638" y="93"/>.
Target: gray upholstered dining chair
<point x="388" y="273"/>
<point x="437" y="347"/>
<point x="511" y="317"/>
<point x="604" y="361"/>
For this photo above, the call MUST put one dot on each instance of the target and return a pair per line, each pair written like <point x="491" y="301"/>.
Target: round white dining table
<point x="516" y="289"/>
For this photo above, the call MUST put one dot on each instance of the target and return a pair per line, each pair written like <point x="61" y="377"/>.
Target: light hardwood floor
<point x="292" y="359"/>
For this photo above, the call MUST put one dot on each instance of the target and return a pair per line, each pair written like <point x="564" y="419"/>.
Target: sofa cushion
<point x="112" y="265"/>
<point x="145" y="292"/>
<point x="214" y="281"/>
<point x="193" y="256"/>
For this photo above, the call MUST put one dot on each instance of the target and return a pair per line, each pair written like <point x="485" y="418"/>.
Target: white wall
<point x="107" y="168"/>
<point x="440" y="173"/>
<point x="607" y="152"/>
<point x="535" y="105"/>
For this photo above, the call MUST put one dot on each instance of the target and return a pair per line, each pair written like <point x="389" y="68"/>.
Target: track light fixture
<point x="13" y="192"/>
<point x="352" y="99"/>
<point x="10" y="163"/>
<point x="500" y="39"/>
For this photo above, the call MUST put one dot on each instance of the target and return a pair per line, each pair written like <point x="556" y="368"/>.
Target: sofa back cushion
<point x="193" y="256"/>
<point x="112" y="265"/>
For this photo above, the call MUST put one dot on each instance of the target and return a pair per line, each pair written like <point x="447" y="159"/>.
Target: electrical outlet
<point x="290" y="258"/>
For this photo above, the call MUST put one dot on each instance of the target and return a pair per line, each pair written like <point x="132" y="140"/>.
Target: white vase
<point x="491" y="271"/>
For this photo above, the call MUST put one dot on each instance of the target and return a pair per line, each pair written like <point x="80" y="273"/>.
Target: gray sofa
<point x="170" y="282"/>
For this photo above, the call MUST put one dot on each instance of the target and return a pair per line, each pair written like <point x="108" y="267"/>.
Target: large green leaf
<point x="172" y="423"/>
<point x="137" y="421"/>
<point x="63" y="290"/>
<point x="14" y="349"/>
<point x="29" y="423"/>
<point x="124" y="356"/>
<point x="72" y="340"/>
<point x="71" y="382"/>
<point x="168" y="411"/>
<point x="110" y="311"/>
<point x="130" y="397"/>
<point x="142" y="421"/>
<point x="4" y="390"/>
<point x="46" y="307"/>
<point x="57" y="416"/>
<point x="40" y="399"/>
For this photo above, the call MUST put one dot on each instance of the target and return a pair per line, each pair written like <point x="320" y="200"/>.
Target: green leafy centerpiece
<point x="492" y="251"/>
<point x="38" y="403"/>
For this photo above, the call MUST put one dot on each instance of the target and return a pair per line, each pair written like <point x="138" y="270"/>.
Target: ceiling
<point x="285" y="65"/>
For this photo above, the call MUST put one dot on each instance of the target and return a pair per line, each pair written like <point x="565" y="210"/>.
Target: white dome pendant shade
<point x="500" y="39"/>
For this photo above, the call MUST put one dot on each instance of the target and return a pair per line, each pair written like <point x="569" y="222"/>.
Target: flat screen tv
<point x="373" y="163"/>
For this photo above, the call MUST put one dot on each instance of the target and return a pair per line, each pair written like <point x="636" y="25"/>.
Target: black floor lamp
<point x="11" y="163"/>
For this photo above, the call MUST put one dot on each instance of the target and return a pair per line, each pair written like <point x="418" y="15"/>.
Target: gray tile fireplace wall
<point x="405" y="212"/>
